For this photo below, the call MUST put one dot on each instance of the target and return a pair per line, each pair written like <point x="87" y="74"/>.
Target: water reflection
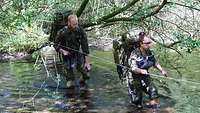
<point x="166" y="105"/>
<point x="77" y="100"/>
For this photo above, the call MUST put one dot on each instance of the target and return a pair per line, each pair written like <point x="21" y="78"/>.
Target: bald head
<point x="72" y="22"/>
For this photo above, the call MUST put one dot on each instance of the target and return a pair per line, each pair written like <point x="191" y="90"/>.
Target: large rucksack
<point x="60" y="21"/>
<point x="122" y="49"/>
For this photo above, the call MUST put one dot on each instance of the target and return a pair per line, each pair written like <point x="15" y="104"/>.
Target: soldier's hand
<point x="87" y="66"/>
<point x="164" y="73"/>
<point x="64" y="52"/>
<point x="144" y="72"/>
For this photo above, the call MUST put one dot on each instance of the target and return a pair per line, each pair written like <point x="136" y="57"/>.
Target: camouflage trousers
<point x="137" y="84"/>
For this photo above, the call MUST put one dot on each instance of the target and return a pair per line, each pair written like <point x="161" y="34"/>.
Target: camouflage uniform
<point x="72" y="42"/>
<point x="138" y="83"/>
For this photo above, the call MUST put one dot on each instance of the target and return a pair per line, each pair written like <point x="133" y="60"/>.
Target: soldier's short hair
<point x="72" y="16"/>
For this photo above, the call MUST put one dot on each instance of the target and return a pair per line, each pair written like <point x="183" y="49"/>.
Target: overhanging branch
<point x="110" y="21"/>
<point x="178" y="26"/>
<point x="82" y="8"/>
<point x="106" y="19"/>
<point x="156" y="10"/>
<point x="118" y="11"/>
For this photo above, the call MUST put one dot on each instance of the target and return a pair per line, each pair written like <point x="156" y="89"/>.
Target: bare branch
<point x="170" y="46"/>
<point x="173" y="24"/>
<point x="164" y="45"/>
<point x="178" y="16"/>
<point x="183" y="5"/>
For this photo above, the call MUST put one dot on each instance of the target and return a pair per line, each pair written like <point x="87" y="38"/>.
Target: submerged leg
<point x="84" y="72"/>
<point x="151" y="90"/>
<point x="69" y="65"/>
<point x="134" y="91"/>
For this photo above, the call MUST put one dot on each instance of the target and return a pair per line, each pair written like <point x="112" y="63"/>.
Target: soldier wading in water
<point x="140" y="60"/>
<point x="68" y="42"/>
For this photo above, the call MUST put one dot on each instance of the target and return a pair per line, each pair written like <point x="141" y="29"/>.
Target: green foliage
<point x="190" y="43"/>
<point x="24" y="39"/>
<point x="187" y="41"/>
<point x="25" y="22"/>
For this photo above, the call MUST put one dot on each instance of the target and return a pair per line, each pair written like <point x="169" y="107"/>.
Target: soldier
<point x="68" y="42"/>
<point x="140" y="60"/>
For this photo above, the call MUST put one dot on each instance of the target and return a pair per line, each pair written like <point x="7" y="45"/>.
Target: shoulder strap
<point x="64" y="29"/>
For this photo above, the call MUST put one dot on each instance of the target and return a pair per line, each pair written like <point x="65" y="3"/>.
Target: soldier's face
<point x="73" y="24"/>
<point x="146" y="43"/>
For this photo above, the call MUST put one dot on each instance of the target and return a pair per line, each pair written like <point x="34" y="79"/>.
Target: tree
<point x="172" y="23"/>
<point x="155" y="17"/>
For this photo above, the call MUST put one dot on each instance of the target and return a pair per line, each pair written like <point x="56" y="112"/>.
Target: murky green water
<point x="24" y="89"/>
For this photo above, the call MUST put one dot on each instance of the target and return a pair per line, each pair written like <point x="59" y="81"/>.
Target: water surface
<point x="23" y="88"/>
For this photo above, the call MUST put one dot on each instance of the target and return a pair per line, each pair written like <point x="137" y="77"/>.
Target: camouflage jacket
<point x="136" y="59"/>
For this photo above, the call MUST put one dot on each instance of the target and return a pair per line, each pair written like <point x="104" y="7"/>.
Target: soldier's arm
<point x="159" y="67"/>
<point x="134" y="67"/>
<point x="57" y="42"/>
<point x="85" y="49"/>
<point x="84" y="42"/>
